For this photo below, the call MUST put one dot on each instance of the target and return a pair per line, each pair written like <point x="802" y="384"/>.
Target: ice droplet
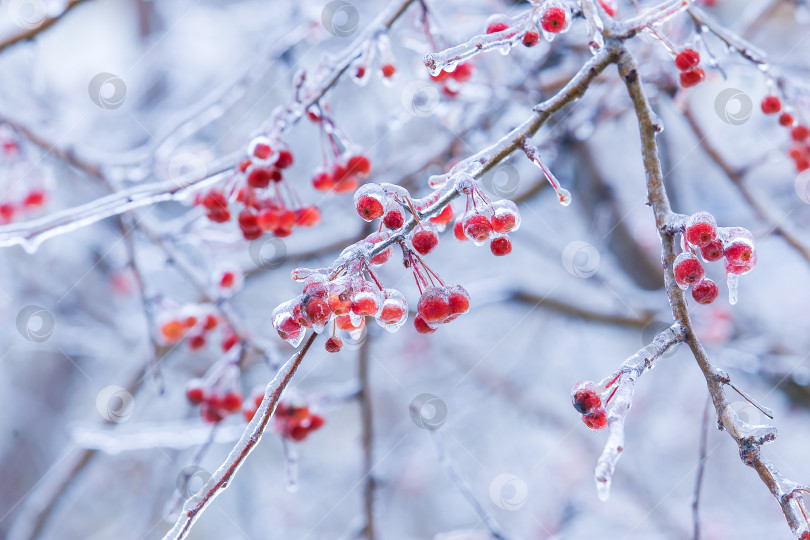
<point x="564" y="196"/>
<point x="732" y="280"/>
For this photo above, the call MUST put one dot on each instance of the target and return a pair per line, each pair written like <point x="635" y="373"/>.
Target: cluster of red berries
<point x="196" y="331"/>
<point x="438" y="305"/>
<point x="700" y="233"/>
<point x="346" y="168"/>
<point x="296" y="422"/>
<point x="451" y="80"/>
<point x="688" y="61"/>
<point x="268" y="202"/>
<point x="217" y="393"/>
<point x="32" y="201"/>
<point x="486" y="220"/>
<point x="346" y="299"/>
<point x="799" y="133"/>
<point x="587" y="399"/>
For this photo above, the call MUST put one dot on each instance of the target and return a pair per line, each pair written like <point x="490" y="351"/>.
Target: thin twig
<point x="31" y="33"/>
<point x="704" y="436"/>
<point x="367" y="430"/>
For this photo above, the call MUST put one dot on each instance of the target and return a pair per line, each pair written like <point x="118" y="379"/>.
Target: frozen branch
<point x="367" y="433"/>
<point x="251" y="436"/>
<point x="746" y="49"/>
<point x="621" y="399"/>
<point x="704" y="435"/>
<point x="749" y="438"/>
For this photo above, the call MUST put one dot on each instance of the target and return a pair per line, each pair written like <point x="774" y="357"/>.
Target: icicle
<point x="533" y="154"/>
<point x="732" y="280"/>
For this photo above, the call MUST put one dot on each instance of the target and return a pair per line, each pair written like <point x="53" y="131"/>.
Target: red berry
<point x="705" y="291"/>
<point x="585" y="397"/>
<point x="424" y="238"/>
<point x="421" y="326"/>
<point x="262" y="150"/>
<point x="344" y="322"/>
<point x="458" y="231"/>
<point x="596" y="420"/>
<point x="172" y="331"/>
<point x="216" y="207"/>
<point x="800" y="133"/>
<point x="285" y="159"/>
<point x="392" y="312"/>
<point x="359" y="165"/>
<point x="339" y="304"/>
<point x="34" y="198"/>
<point x="805" y="535"/>
<point x="786" y="119"/>
<point x="307" y="216"/>
<point x="477" y="228"/>
<point x="227" y="280"/>
<point x="506" y="217"/>
<point x="288" y="328"/>
<point x="334" y="344"/>
<point x="713" y="251"/>
<point x="740" y="257"/>
<point x="394" y="219"/>
<point x="211" y="322"/>
<point x="369" y="208"/>
<point x="384" y="255"/>
<point x="366" y="301"/>
<point x="323" y="181"/>
<point x="500" y="246"/>
<point x="687" y="59"/>
<point x="317" y="311"/>
<point x="463" y="72"/>
<point x="210" y="414"/>
<point x="195" y="343"/>
<point x="554" y="20"/>
<point x="388" y="71"/>
<point x="260" y="177"/>
<point x="229" y="342"/>
<point x="531" y="38"/>
<point x="231" y="402"/>
<point x="444" y="217"/>
<point x="361" y="71"/>
<point x="701" y="229"/>
<point x="692" y="77"/>
<point x="195" y="393"/>
<point x="771" y="105"/>
<point x="458" y="300"/>
<point x="496" y="27"/>
<point x="688" y="270"/>
<point x="433" y="305"/>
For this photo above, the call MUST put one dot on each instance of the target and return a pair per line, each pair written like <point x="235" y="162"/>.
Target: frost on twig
<point x="622" y="398"/>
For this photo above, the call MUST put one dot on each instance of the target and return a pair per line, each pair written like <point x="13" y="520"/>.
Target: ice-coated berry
<point x="500" y="245"/>
<point x="705" y="291"/>
<point x="771" y="105"/>
<point x="394" y="219"/>
<point x="701" y="229"/>
<point x="505" y="217"/>
<point x="596" y="420"/>
<point x="713" y="251"/>
<point x="531" y="38"/>
<point x="421" y="326"/>
<point x="477" y="228"/>
<point x="497" y="27"/>
<point x="693" y="77"/>
<point x="688" y="270"/>
<point x="585" y="397"/>
<point x="424" y="238"/>
<point x="334" y="344"/>
<point x="433" y="305"/>
<point x="687" y="59"/>
<point x="554" y="20"/>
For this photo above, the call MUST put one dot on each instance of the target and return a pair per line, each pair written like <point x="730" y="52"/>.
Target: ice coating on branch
<point x="450" y="58"/>
<point x="595" y="26"/>
<point x="619" y="404"/>
<point x="533" y="153"/>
